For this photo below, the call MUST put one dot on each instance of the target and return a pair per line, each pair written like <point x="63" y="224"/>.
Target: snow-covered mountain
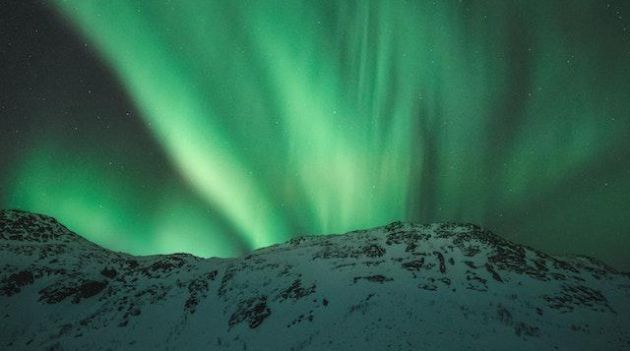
<point x="398" y="287"/>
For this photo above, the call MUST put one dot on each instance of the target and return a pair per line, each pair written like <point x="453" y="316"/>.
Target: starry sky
<point x="218" y="127"/>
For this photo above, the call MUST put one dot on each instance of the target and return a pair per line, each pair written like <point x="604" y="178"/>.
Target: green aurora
<point x="280" y="118"/>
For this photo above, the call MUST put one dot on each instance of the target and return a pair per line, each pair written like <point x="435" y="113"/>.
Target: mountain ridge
<point x="399" y="286"/>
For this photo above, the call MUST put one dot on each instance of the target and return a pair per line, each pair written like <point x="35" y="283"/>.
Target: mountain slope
<point x="398" y="287"/>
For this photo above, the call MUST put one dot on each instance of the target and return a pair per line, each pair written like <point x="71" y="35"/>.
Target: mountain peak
<point x="17" y="225"/>
<point x="401" y="286"/>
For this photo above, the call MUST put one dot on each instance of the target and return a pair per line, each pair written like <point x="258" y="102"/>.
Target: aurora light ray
<point x="288" y="117"/>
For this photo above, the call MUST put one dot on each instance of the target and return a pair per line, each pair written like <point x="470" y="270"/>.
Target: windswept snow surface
<point x="398" y="287"/>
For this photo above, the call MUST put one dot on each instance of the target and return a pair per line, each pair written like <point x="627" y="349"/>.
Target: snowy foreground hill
<point x="398" y="287"/>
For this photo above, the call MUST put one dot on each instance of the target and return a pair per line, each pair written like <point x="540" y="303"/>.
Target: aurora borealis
<point x="217" y="127"/>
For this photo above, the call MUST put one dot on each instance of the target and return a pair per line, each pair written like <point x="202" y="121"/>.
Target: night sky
<point x="217" y="127"/>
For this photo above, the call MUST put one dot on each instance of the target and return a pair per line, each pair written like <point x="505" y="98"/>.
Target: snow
<point x="398" y="287"/>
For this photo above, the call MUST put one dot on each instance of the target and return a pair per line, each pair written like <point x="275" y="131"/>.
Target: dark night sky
<point x="218" y="127"/>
